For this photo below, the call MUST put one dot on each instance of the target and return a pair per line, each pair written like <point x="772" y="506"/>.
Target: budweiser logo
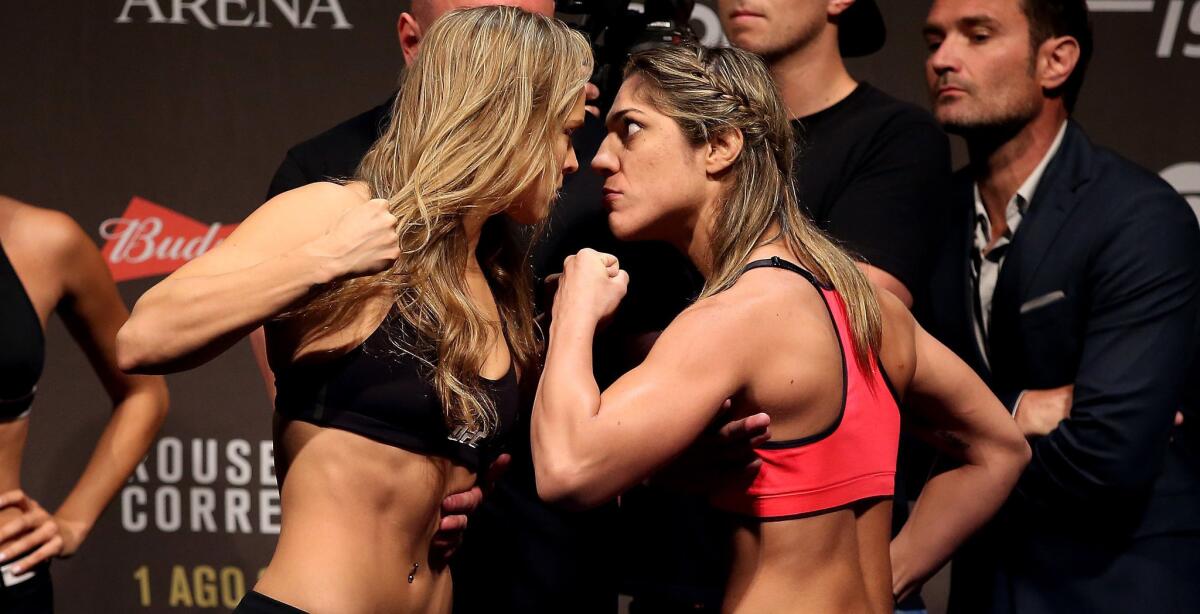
<point x="150" y="239"/>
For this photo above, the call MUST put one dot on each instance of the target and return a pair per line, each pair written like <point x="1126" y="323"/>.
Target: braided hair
<point x="710" y="91"/>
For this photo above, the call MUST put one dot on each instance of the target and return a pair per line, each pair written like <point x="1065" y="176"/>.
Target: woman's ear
<point x="722" y="150"/>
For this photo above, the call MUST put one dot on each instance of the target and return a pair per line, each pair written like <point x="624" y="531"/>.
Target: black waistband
<point x="255" y="602"/>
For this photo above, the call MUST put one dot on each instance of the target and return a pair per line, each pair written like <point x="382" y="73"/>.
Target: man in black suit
<point x="1070" y="282"/>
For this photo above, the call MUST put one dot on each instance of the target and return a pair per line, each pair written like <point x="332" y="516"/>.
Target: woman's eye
<point x="632" y="127"/>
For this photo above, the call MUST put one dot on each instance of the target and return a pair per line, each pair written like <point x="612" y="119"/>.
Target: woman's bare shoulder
<point x="319" y="197"/>
<point x="48" y="231"/>
<point x="897" y="352"/>
<point x="304" y="210"/>
<point x="898" y="321"/>
<point x="760" y="308"/>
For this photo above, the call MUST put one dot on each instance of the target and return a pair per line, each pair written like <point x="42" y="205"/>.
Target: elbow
<point x="1014" y="445"/>
<point x="1017" y="452"/>
<point x="1021" y="454"/>
<point x="130" y="353"/>
<point x="1007" y="456"/>
<point x="565" y="486"/>
<point x="161" y="397"/>
<point x="135" y="349"/>
<point x="147" y="341"/>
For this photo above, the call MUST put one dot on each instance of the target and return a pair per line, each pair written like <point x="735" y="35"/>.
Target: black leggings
<point x="258" y="603"/>
<point x="27" y="593"/>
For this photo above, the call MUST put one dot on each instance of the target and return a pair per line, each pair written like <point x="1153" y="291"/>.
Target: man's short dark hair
<point x="1051" y="18"/>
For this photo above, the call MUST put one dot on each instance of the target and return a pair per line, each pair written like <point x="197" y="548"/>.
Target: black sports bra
<point x="22" y="350"/>
<point x="381" y="393"/>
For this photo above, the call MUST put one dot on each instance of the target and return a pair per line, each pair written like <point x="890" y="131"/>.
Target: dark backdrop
<point x="156" y="126"/>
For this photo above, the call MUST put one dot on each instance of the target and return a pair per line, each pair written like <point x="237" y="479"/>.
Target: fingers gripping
<point x="463" y="502"/>
<point x="34" y="530"/>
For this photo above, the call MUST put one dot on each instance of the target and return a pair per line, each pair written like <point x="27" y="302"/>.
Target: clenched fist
<point x="592" y="285"/>
<point x="363" y="241"/>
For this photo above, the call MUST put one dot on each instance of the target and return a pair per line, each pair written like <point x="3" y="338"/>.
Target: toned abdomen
<point x="357" y="516"/>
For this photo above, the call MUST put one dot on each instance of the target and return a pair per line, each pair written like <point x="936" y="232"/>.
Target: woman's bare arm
<point x="948" y="405"/>
<point x="294" y="243"/>
<point x="589" y="447"/>
<point x="92" y="311"/>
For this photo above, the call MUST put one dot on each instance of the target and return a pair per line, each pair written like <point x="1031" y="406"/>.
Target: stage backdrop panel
<point x="157" y="125"/>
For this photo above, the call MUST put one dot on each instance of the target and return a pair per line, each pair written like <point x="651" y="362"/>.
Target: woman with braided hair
<point x="699" y="154"/>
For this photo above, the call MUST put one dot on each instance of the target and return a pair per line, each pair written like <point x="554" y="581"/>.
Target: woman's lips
<point x="739" y="16"/>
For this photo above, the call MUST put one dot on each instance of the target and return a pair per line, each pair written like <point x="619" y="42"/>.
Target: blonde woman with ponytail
<point x="398" y="311"/>
<point x="699" y="154"/>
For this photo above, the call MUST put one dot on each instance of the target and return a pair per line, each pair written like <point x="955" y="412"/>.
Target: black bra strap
<point x="780" y="263"/>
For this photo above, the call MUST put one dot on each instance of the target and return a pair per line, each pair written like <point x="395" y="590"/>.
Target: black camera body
<point x="616" y="31"/>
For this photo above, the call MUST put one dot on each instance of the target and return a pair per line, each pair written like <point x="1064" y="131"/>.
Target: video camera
<point x="616" y="31"/>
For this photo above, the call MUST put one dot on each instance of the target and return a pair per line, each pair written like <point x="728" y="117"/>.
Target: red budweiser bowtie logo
<point x="150" y="239"/>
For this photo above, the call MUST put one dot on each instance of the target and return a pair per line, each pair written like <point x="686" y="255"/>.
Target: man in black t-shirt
<point x="333" y="154"/>
<point x="873" y="172"/>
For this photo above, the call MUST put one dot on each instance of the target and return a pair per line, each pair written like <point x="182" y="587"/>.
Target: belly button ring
<point x="412" y="574"/>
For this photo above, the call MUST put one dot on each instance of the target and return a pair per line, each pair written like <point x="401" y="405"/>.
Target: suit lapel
<point x="1052" y="203"/>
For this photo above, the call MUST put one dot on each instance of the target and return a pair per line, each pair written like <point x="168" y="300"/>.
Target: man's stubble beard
<point x="1001" y="125"/>
<point x="1004" y="122"/>
<point x="773" y="52"/>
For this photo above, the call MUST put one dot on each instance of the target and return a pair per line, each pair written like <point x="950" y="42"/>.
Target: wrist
<point x="573" y="323"/>
<point x="570" y="344"/>
<point x="73" y="533"/>
<point x="1034" y="420"/>
<point x="321" y="261"/>
<point x="902" y="579"/>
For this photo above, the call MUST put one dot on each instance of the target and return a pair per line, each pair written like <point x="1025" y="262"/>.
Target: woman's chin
<point x="622" y="229"/>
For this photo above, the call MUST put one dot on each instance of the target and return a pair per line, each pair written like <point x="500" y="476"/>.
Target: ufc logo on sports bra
<point x="466" y="435"/>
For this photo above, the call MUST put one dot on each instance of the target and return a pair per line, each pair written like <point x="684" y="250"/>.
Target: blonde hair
<point x="472" y="133"/>
<point x="710" y="91"/>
